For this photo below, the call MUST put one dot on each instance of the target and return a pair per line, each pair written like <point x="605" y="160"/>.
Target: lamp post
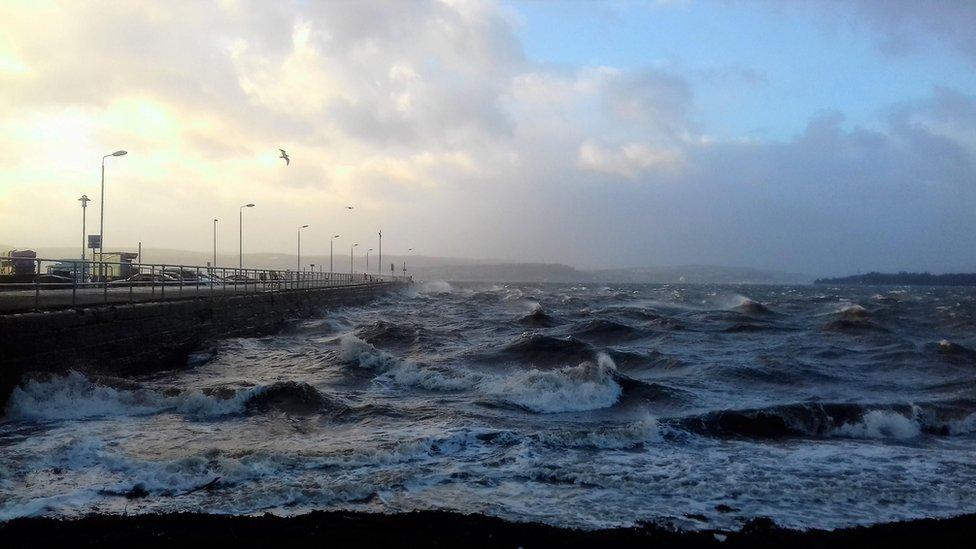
<point x="101" y="208"/>
<point x="215" y="243"/>
<point x="351" y="251"/>
<point x="379" y="264"/>
<point x="240" y="234"/>
<point x="367" y="259"/>
<point x="84" y="208"/>
<point x="331" y="240"/>
<point x="300" y="246"/>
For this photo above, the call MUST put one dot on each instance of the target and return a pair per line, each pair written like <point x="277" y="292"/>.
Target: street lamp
<point x="240" y="234"/>
<point x="351" y="251"/>
<point x="367" y="259"/>
<point x="331" y="270"/>
<point x="300" y="246"/>
<point x="379" y="264"/>
<point x="215" y="243"/>
<point x="84" y="207"/>
<point x="101" y="208"/>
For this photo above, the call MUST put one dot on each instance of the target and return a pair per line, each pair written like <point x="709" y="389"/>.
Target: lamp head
<point x="119" y="153"/>
<point x="248" y="205"/>
<point x="304" y="226"/>
<point x="336" y="236"/>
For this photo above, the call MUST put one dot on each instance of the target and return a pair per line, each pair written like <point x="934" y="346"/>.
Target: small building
<point x="18" y="263"/>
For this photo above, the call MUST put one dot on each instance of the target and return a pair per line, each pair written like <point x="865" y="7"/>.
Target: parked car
<point x="239" y="279"/>
<point x="53" y="281"/>
<point x="187" y="275"/>
<point x="146" y="279"/>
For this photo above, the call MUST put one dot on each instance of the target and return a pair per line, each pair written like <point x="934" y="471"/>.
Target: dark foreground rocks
<point x="445" y="529"/>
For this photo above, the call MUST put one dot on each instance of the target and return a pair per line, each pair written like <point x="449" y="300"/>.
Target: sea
<point x="587" y="406"/>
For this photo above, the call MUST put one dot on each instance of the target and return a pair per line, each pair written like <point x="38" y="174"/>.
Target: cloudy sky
<point x="817" y="137"/>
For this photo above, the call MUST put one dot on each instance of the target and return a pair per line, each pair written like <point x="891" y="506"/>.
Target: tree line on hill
<point x="904" y="279"/>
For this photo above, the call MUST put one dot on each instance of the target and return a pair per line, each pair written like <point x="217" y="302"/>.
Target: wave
<point x="589" y="386"/>
<point x="635" y="361"/>
<point x="639" y="392"/>
<point x="544" y="350"/>
<point x="956" y="352"/>
<point x="430" y="288"/>
<point x="537" y="317"/>
<point x="749" y="307"/>
<point x="290" y="397"/>
<point x="361" y="354"/>
<point x="75" y="396"/>
<point x="853" y="318"/>
<point x="853" y="312"/>
<point x="382" y="333"/>
<point x="604" y="331"/>
<point x="822" y="420"/>
<point x="613" y="437"/>
<point x="750" y="327"/>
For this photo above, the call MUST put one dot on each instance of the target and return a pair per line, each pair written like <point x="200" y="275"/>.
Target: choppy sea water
<point x="577" y="406"/>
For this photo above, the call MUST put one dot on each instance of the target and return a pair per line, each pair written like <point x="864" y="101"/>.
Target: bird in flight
<point x="285" y="156"/>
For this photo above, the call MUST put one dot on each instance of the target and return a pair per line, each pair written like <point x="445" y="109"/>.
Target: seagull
<point x="285" y="156"/>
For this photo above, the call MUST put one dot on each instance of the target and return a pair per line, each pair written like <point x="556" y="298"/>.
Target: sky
<point x="818" y="137"/>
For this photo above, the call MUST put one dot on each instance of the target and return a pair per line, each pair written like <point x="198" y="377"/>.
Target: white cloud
<point x="629" y="160"/>
<point x="429" y="117"/>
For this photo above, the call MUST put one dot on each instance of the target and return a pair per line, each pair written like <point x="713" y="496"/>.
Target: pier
<point x="139" y="324"/>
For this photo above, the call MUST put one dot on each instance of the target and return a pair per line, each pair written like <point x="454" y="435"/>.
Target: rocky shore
<point x="447" y="529"/>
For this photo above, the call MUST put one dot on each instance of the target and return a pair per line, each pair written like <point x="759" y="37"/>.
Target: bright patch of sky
<point x="756" y="71"/>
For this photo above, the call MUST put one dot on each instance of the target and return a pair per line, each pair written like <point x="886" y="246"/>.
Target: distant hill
<point x="701" y="274"/>
<point x="903" y="279"/>
<point x="554" y="272"/>
<point x="462" y="269"/>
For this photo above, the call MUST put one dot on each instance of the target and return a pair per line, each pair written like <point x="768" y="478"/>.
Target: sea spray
<point x="588" y="386"/>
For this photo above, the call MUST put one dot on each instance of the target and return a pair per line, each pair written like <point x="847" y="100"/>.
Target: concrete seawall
<point x="144" y="337"/>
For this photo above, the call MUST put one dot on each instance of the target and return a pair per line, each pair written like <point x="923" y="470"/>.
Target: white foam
<point x="360" y="353"/>
<point x="357" y="352"/>
<point x="435" y="287"/>
<point x="617" y="437"/>
<point x="589" y="386"/>
<point x="881" y="424"/>
<point x="963" y="426"/>
<point x="74" y="396"/>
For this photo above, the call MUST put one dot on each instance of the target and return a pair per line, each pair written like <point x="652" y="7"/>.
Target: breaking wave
<point x="75" y="396"/>
<point x="589" y="386"/>
<point x="896" y="421"/>
<point x="749" y="307"/>
<point x="361" y="354"/>
<point x="537" y="317"/>
<point x="545" y="350"/>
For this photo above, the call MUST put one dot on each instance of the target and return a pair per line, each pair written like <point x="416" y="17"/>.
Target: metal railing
<point x="69" y="283"/>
